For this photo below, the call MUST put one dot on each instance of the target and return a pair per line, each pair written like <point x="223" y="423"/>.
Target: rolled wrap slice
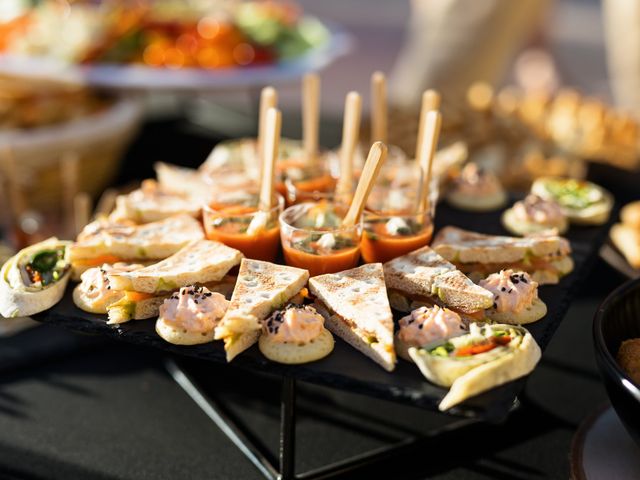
<point x="488" y="356"/>
<point x="34" y="279"/>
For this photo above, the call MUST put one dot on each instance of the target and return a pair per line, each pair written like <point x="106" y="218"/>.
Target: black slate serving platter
<point x="349" y="370"/>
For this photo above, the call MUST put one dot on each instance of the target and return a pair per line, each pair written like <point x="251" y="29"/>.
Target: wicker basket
<point x="98" y="139"/>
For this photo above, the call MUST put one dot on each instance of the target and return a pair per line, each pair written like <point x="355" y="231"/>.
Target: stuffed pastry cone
<point x="34" y="279"/>
<point x="488" y="356"/>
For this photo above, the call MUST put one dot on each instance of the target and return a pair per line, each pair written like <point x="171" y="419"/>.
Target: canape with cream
<point x="516" y="299"/>
<point x="94" y="293"/>
<point x="477" y="189"/>
<point x="535" y="214"/>
<point x="426" y="325"/>
<point x="295" y="335"/>
<point x="189" y="316"/>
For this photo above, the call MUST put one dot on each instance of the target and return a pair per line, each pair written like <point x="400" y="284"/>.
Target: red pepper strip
<point x="483" y="347"/>
<point x="474" y="349"/>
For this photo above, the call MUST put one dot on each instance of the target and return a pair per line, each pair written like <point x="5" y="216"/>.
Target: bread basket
<point x="99" y="139"/>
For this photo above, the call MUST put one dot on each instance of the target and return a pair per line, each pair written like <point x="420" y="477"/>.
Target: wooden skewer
<point x="81" y="211"/>
<point x="378" y="107"/>
<point x="272" y="142"/>
<point x="69" y="167"/>
<point x="377" y="156"/>
<point x="106" y="202"/>
<point x="268" y="99"/>
<point x="310" y="115"/>
<point x="350" y="132"/>
<point x="433" y="122"/>
<point x="430" y="101"/>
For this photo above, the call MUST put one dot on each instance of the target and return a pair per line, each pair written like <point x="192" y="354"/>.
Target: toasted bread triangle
<point x="363" y="317"/>
<point x="200" y="261"/>
<point x="425" y="273"/>
<point x="154" y="240"/>
<point x="262" y="287"/>
<point x="151" y="203"/>
<point x="465" y="246"/>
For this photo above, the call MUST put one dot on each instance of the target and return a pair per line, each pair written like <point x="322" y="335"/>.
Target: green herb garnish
<point x="442" y="350"/>
<point x="45" y="261"/>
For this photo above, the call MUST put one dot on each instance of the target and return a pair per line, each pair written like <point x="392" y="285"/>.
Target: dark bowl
<point x="616" y="320"/>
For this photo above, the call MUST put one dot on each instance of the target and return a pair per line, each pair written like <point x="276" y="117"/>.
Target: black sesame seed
<point x="504" y="289"/>
<point x="420" y="326"/>
<point x="524" y="280"/>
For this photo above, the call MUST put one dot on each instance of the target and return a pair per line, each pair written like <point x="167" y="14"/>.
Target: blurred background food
<point x="161" y="33"/>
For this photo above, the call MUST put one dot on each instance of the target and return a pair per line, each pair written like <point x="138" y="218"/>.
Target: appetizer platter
<point x="343" y="286"/>
<point x="345" y="367"/>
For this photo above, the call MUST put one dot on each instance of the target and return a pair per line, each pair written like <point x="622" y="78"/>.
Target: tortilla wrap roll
<point x="488" y="356"/>
<point x="34" y="279"/>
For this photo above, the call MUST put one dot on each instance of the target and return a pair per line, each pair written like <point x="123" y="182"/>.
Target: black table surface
<point x="104" y="409"/>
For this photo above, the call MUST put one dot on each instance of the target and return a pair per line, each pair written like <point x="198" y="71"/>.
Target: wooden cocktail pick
<point x="310" y="116"/>
<point x="433" y="122"/>
<point x="377" y="156"/>
<point x="378" y="107"/>
<point x="430" y="101"/>
<point x="350" y="134"/>
<point x="272" y="142"/>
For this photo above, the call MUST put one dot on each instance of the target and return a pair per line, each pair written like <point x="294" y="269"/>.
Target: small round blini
<point x="181" y="336"/>
<point x="531" y="314"/>
<point x="294" y="353"/>
<point x="519" y="227"/>
<point x="475" y="203"/>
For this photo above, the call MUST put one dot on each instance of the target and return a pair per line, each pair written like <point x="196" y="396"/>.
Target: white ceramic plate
<point x="139" y="77"/>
